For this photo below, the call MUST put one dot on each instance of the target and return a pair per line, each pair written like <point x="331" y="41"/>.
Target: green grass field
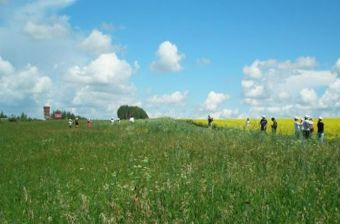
<point x="164" y="171"/>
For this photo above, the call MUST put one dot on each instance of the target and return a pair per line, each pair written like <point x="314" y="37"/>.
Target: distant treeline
<point x="12" y="117"/>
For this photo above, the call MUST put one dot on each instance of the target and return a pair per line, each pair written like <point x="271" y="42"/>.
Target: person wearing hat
<point x="247" y="124"/>
<point x="306" y="127"/>
<point x="70" y="123"/>
<point x="210" y="120"/>
<point x="297" y="127"/>
<point x="321" y="127"/>
<point x="76" y="122"/>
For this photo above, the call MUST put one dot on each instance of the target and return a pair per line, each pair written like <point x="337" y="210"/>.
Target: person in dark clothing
<point x="321" y="128"/>
<point x="263" y="123"/>
<point x="274" y="125"/>
<point x="210" y="120"/>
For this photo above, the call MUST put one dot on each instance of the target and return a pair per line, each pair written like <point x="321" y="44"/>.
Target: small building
<point x="47" y="114"/>
<point x="58" y="115"/>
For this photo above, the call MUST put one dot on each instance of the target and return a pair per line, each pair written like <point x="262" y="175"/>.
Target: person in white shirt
<point x="306" y="127"/>
<point x="247" y="125"/>
<point x="297" y="127"/>
<point x="132" y="119"/>
<point x="70" y="123"/>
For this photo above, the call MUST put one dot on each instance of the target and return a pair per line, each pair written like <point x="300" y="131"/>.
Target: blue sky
<point x="173" y="58"/>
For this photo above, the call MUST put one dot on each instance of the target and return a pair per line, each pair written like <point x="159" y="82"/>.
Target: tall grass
<point x="163" y="171"/>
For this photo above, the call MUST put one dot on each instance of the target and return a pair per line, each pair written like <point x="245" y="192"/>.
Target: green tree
<point x="124" y="112"/>
<point x="2" y="115"/>
<point x="23" y="117"/>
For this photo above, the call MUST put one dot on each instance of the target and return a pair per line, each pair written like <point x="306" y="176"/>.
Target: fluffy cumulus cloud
<point x="286" y="88"/>
<point x="337" y="66"/>
<point x="97" y="43"/>
<point x="42" y="31"/>
<point x="177" y="97"/>
<point x="226" y="113"/>
<point x="24" y="84"/>
<point x="106" y="69"/>
<point x="168" y="58"/>
<point x="213" y="105"/>
<point x="102" y="84"/>
<point x="67" y="70"/>
<point x="213" y="100"/>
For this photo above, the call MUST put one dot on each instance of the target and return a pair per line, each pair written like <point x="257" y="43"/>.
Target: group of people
<point x="113" y="120"/>
<point x="76" y="123"/>
<point x="303" y="127"/>
<point x="263" y="124"/>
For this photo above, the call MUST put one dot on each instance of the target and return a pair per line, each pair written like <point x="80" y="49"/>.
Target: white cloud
<point x="97" y="43"/>
<point x="92" y="82"/>
<point x="168" y="59"/>
<point x="203" y="61"/>
<point x="43" y="5"/>
<point x="337" y="67"/>
<point x="273" y="67"/>
<point x="106" y="69"/>
<point x="214" y="100"/>
<point x="253" y="71"/>
<point x="5" y="67"/>
<point x="110" y="27"/>
<point x="308" y="96"/>
<point x="284" y="87"/>
<point x="173" y="98"/>
<point x="47" y="31"/>
<point x="17" y="85"/>
<point x="225" y="113"/>
<point x="331" y="98"/>
<point x="255" y="91"/>
<point x="101" y="86"/>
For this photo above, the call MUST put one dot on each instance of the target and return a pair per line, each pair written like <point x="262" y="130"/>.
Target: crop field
<point x="165" y="171"/>
<point x="285" y="125"/>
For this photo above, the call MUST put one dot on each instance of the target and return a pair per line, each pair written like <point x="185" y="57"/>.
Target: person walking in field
<point x="306" y="128"/>
<point x="89" y="123"/>
<point x="321" y="127"/>
<point x="210" y="120"/>
<point x="297" y="127"/>
<point x="76" y="122"/>
<point x="247" y="124"/>
<point x="132" y="120"/>
<point x="274" y="125"/>
<point x="263" y="124"/>
<point x="70" y="123"/>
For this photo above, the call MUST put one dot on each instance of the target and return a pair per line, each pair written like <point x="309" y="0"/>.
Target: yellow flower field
<point x="285" y="125"/>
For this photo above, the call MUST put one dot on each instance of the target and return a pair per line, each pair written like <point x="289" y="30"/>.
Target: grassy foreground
<point x="163" y="171"/>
